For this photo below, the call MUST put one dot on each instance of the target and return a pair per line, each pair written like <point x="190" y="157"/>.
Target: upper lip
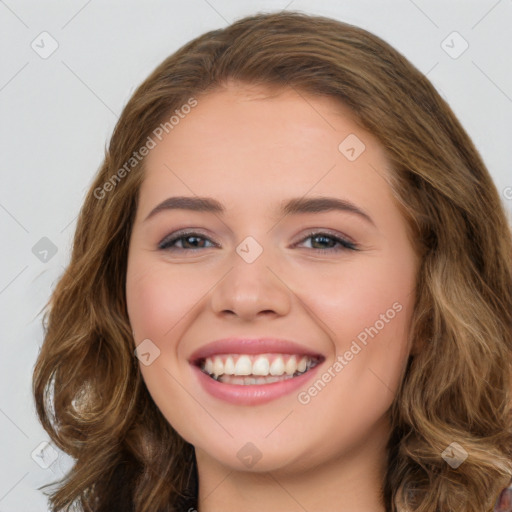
<point x="251" y="346"/>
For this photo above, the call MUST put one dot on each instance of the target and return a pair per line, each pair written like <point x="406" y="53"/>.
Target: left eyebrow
<point x="288" y="207"/>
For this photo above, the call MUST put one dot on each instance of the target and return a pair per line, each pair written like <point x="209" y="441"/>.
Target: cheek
<point x="149" y="307"/>
<point x="158" y="301"/>
<point x="354" y="297"/>
<point x="158" y="298"/>
<point x="368" y="319"/>
<point x="366" y="311"/>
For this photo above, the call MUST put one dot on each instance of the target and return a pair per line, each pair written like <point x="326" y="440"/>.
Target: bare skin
<point x="251" y="149"/>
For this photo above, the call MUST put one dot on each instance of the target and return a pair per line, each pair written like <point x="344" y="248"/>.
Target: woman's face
<point x="263" y="261"/>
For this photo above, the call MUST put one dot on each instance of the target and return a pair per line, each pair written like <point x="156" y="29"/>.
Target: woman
<point x="203" y="354"/>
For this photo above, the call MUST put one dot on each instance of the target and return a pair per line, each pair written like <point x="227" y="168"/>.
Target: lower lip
<point x="252" y="394"/>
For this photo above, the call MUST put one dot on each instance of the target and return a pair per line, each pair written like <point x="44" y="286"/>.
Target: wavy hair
<point x="88" y="390"/>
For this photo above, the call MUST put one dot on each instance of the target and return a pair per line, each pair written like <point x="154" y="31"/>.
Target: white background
<point x="57" y="114"/>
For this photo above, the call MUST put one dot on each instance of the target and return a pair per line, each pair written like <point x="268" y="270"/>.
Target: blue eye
<point x="195" y="241"/>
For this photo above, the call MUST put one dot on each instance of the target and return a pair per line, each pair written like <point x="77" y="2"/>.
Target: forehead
<point x="249" y="144"/>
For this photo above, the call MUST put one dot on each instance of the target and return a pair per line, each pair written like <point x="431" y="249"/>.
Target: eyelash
<point x="166" y="243"/>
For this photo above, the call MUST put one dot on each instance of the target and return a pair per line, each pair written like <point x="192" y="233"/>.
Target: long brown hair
<point x="88" y="390"/>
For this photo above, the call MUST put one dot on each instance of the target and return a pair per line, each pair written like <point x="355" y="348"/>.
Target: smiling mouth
<point x="256" y="369"/>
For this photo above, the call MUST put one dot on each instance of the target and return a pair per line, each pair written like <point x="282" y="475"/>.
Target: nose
<point x="252" y="290"/>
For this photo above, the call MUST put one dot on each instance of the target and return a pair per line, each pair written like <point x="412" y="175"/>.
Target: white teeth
<point x="218" y="366"/>
<point x="262" y="368"/>
<point x="229" y="366"/>
<point x="291" y="366"/>
<point x="277" y="366"/>
<point x="243" y="366"/>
